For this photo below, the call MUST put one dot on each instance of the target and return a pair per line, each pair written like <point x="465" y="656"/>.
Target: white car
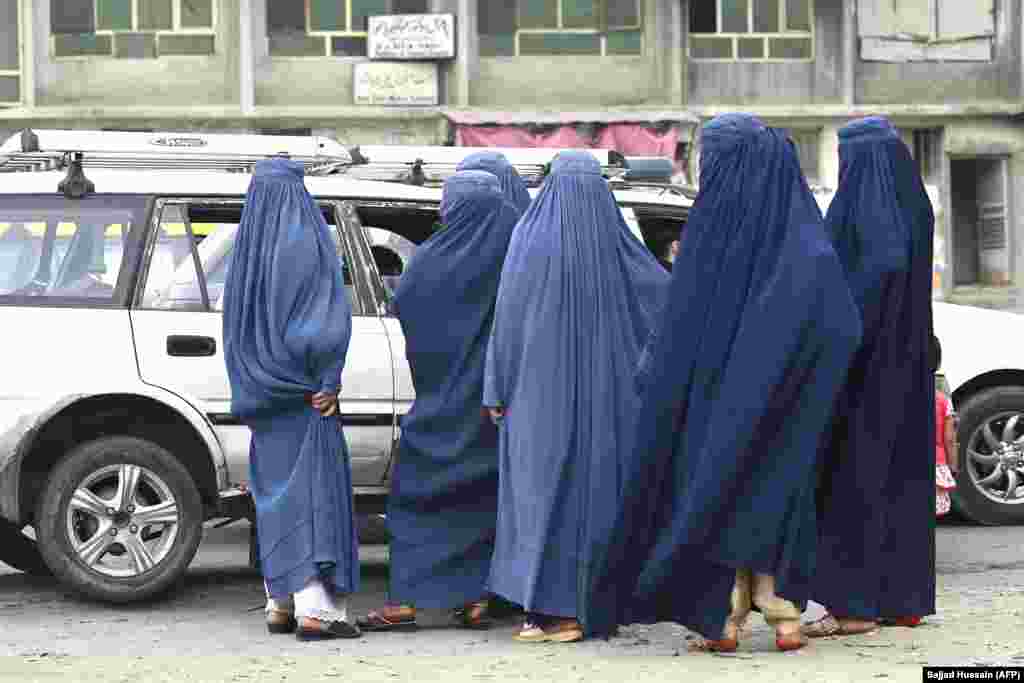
<point x="116" y="438"/>
<point x="983" y="363"/>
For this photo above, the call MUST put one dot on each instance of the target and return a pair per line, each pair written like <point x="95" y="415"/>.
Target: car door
<point x="177" y="323"/>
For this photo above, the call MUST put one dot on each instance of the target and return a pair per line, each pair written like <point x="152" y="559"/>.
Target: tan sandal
<point x="829" y="626"/>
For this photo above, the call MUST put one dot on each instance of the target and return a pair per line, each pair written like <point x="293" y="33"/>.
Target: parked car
<point x="983" y="363"/>
<point x="116" y="437"/>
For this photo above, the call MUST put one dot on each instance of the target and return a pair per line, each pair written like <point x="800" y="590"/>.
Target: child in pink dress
<point x="945" y="452"/>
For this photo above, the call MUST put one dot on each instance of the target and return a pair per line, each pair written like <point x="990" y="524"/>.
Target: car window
<point x="394" y="230"/>
<point x="205" y="233"/>
<point x="53" y="248"/>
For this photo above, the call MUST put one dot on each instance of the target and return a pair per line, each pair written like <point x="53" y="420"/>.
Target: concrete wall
<point x="773" y="83"/>
<point x="167" y="81"/>
<point x="951" y="82"/>
<point x="563" y="82"/>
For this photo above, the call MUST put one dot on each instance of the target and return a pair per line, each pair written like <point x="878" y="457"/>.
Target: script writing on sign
<point x="411" y="36"/>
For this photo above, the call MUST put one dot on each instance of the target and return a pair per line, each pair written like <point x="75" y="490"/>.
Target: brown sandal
<point x="831" y="625"/>
<point x="905" y="622"/>
<point x="472" y="615"/>
<point x="379" y="621"/>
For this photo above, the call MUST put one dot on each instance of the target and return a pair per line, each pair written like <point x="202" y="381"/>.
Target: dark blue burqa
<point x="512" y="186"/>
<point x="444" y="498"/>
<point x="287" y="323"/>
<point x="576" y="303"/>
<point x="737" y="388"/>
<point x="877" y="507"/>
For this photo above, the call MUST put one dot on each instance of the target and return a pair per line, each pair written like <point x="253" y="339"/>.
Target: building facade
<point x="633" y="74"/>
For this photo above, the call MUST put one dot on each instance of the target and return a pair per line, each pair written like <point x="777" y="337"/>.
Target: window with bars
<point x="10" y="54"/>
<point x="752" y="30"/>
<point x="327" y="28"/>
<point x="561" y="27"/>
<point x="133" y="29"/>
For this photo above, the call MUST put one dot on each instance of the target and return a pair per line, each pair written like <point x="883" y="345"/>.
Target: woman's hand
<point x="326" y="403"/>
<point x="497" y="413"/>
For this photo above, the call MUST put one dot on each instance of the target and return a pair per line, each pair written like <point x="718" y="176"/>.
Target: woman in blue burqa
<point x="737" y="386"/>
<point x="287" y="323"/>
<point x="877" y="517"/>
<point x="444" y="493"/>
<point x="495" y="163"/>
<point x="577" y="299"/>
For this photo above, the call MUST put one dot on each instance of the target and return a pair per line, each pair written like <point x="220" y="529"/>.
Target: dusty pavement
<point x="211" y="630"/>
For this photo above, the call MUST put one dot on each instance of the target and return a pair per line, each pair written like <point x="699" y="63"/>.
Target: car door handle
<point x="189" y="346"/>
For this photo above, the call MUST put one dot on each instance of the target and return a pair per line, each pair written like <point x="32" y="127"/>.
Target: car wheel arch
<point x="85" y="418"/>
<point x="993" y="379"/>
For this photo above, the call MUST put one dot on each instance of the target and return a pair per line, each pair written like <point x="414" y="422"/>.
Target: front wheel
<point x="119" y="519"/>
<point x="990" y="486"/>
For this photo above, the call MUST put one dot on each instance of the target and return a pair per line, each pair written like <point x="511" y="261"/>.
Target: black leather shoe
<point x="319" y="629"/>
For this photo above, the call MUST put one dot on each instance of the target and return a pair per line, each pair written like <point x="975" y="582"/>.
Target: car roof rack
<point x="48" y="150"/>
<point x="75" y="150"/>
<point x="431" y="165"/>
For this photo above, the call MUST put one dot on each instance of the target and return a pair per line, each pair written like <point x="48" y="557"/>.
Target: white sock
<point x="314" y="601"/>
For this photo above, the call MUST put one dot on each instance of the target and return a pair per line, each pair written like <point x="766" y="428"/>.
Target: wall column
<point x="26" y="53"/>
<point x="671" y="46"/>
<point x="246" y="56"/>
<point x="850" y="54"/>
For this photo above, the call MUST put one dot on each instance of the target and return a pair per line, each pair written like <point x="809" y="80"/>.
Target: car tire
<point x="20" y="552"/>
<point x="978" y="502"/>
<point x="73" y="524"/>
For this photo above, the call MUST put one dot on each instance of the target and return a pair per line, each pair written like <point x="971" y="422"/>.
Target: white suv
<point x="116" y="438"/>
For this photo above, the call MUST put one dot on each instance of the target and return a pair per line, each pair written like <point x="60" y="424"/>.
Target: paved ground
<point x="212" y="630"/>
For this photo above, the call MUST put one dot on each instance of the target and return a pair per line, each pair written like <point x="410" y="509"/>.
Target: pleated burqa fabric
<point x="512" y="186"/>
<point x="877" y="550"/>
<point x="443" y="507"/>
<point x="737" y="388"/>
<point x="287" y="324"/>
<point x="576" y="302"/>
